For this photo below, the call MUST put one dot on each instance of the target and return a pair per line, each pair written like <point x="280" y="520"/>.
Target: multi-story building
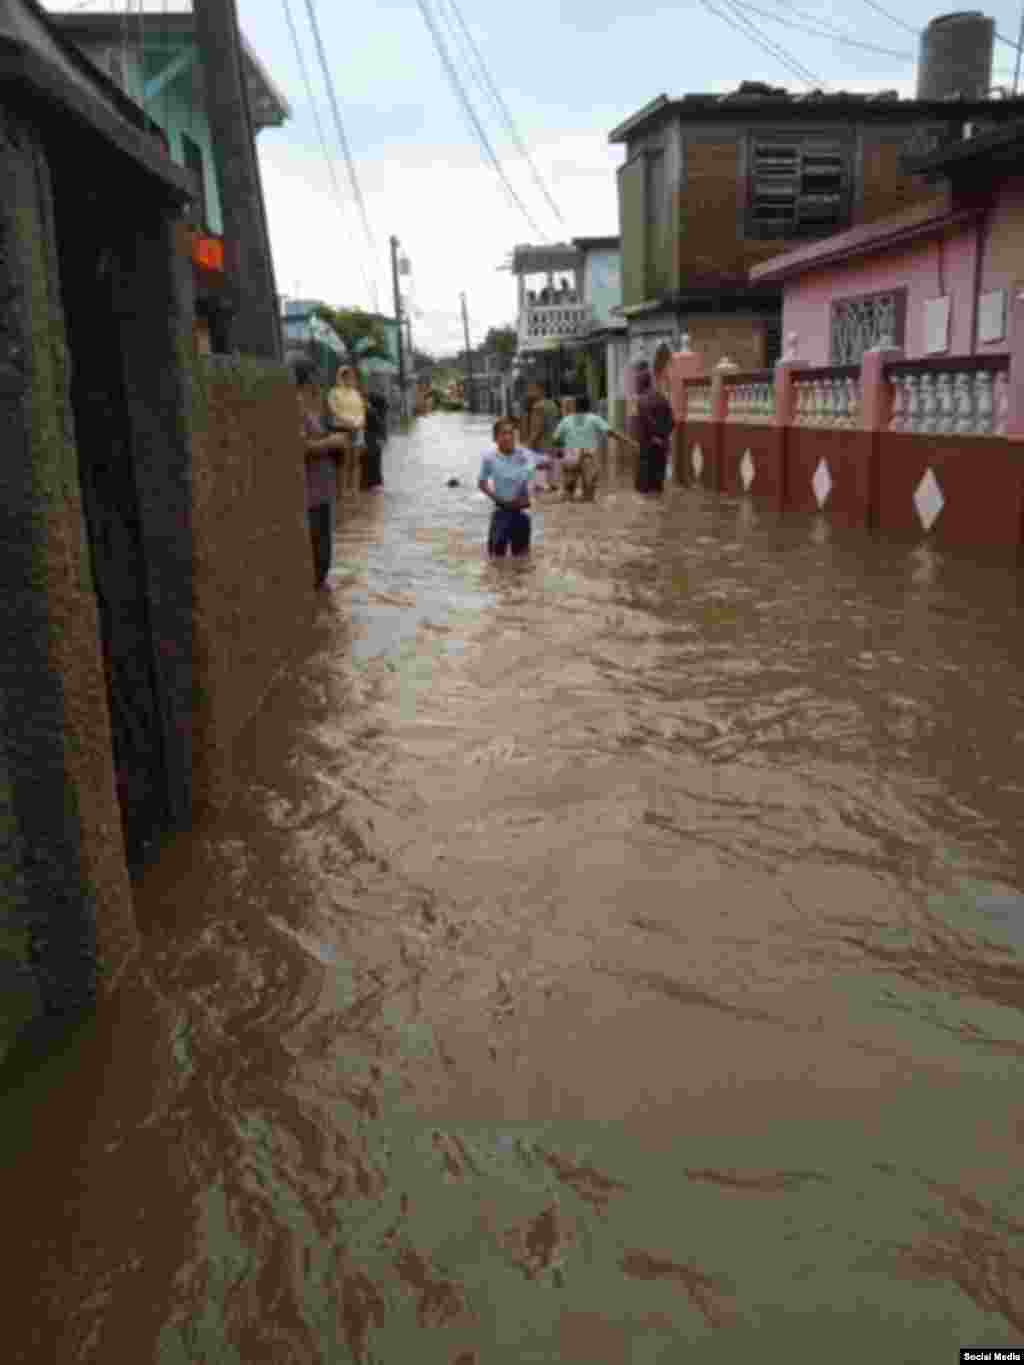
<point x="714" y="185"/>
<point x="154" y="58"/>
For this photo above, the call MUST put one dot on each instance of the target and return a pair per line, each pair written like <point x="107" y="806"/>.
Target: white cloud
<point x="454" y="221"/>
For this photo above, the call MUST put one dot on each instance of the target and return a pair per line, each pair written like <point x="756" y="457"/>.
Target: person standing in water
<point x="505" y="475"/>
<point x="581" y="435"/>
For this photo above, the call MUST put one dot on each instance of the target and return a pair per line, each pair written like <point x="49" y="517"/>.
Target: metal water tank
<point x="956" y="57"/>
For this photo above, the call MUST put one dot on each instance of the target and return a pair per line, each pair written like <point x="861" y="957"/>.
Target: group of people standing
<point x="346" y="418"/>
<point x="562" y="452"/>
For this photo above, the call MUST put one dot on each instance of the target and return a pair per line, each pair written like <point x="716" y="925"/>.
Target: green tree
<point x="503" y="341"/>
<point x="363" y="333"/>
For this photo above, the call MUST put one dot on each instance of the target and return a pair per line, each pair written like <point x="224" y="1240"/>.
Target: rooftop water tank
<point x="956" y="57"/>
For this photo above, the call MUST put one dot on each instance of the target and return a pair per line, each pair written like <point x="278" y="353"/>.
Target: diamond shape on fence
<point x="822" y="483"/>
<point x="697" y="460"/>
<point x="747" y="470"/>
<point x="928" y="499"/>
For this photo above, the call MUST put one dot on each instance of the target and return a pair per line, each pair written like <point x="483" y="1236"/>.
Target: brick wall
<point x="253" y="569"/>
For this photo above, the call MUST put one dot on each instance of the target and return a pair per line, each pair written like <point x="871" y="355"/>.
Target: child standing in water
<point x="505" y="475"/>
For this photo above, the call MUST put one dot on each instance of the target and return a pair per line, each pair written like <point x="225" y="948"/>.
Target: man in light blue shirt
<point x="581" y="434"/>
<point x="505" y="475"/>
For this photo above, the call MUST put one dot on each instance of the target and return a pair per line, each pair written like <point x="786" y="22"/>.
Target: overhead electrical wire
<point x="749" y="30"/>
<point x="340" y="128"/>
<point x="836" y="35"/>
<point x="331" y="170"/>
<point x="471" y="114"/>
<point x="873" y="4"/>
<point x="490" y="89"/>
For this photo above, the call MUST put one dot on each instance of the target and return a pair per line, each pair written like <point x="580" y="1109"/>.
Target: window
<point x="194" y="163"/>
<point x="797" y="187"/>
<point x="858" y="324"/>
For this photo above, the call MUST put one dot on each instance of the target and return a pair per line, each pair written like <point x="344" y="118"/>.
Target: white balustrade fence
<point x="828" y="401"/>
<point x="698" y="401"/>
<point x="751" y="400"/>
<point x="948" y="402"/>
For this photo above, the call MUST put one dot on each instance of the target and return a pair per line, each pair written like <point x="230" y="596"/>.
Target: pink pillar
<point x="875" y="391"/>
<point x="683" y="365"/>
<point x="719" y="396"/>
<point x="1015" y="414"/>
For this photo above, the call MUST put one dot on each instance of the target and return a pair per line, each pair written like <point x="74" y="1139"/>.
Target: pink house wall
<point x="1003" y="254"/>
<point x="926" y="269"/>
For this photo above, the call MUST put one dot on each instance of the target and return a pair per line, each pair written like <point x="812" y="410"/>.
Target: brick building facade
<point x="714" y="185"/>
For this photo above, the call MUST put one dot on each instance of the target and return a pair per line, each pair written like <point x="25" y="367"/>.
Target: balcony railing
<point x="540" y="324"/>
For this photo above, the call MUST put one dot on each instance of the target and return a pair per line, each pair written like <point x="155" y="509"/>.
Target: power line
<point x="749" y="31"/>
<point x="470" y="112"/>
<point x="353" y="177"/>
<point x="502" y="108"/>
<point x="835" y="35"/>
<point x="917" y="32"/>
<point x="307" y="83"/>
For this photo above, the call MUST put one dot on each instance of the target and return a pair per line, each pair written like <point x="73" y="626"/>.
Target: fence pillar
<point x="875" y="391"/>
<point x="685" y="364"/>
<point x="1015" y="413"/>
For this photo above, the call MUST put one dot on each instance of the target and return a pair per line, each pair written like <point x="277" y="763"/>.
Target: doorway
<point x="96" y="234"/>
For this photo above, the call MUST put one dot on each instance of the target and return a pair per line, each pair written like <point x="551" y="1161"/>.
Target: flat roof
<point x="558" y="256"/>
<point x="597" y="243"/>
<point x="755" y="100"/>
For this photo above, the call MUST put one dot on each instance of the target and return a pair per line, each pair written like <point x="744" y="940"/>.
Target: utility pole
<point x="398" y="319"/>
<point x="471" y="402"/>
<point x="255" y="328"/>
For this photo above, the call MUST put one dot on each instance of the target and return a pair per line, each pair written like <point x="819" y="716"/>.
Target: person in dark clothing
<point x="376" y="436"/>
<point x="322" y="449"/>
<point x="652" y="431"/>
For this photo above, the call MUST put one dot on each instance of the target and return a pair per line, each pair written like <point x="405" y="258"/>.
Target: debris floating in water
<point x="453" y="483"/>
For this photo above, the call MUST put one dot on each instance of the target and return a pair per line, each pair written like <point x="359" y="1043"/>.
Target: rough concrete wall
<point x="885" y="186"/>
<point x="63" y="855"/>
<point x="741" y="340"/>
<point x="253" y="565"/>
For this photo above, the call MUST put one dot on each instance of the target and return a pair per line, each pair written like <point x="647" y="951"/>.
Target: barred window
<point x="797" y="187"/>
<point x="858" y="324"/>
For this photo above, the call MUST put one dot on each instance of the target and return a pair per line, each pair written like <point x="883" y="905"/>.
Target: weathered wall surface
<point x="65" y="901"/>
<point x="253" y="570"/>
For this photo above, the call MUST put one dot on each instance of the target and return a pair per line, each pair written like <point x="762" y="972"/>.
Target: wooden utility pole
<point x="471" y="392"/>
<point x="255" y="328"/>
<point x="398" y="319"/>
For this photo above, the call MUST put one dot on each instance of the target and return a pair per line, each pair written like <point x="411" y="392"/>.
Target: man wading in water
<point x="509" y="470"/>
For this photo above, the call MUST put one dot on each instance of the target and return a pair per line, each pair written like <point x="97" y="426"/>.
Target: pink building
<point x="935" y="281"/>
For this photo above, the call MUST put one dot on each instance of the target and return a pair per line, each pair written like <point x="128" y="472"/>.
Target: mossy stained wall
<point x="253" y="567"/>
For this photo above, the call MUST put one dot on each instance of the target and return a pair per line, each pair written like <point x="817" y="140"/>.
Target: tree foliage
<point x="503" y="341"/>
<point x="362" y="332"/>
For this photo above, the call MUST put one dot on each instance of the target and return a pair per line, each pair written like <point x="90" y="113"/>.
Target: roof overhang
<point x="268" y="105"/>
<point x="1000" y="149"/>
<point x="867" y="240"/>
<point x="36" y="57"/>
<point x="559" y="256"/>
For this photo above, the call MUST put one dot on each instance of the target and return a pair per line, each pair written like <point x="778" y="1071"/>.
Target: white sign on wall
<point x="992" y="316"/>
<point x="936" y="325"/>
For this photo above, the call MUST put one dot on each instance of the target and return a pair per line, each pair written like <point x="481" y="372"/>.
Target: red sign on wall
<point x="208" y="252"/>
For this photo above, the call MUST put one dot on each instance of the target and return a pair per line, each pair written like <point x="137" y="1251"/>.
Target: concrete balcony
<point x="542" y="326"/>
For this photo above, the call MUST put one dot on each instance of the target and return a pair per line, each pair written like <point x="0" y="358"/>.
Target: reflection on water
<point x="608" y="954"/>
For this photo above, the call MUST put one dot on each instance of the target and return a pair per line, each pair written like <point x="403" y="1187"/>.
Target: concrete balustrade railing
<point x="969" y="397"/>
<point x="892" y="444"/>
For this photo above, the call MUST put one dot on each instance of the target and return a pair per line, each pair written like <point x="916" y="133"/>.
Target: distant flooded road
<point x="616" y="957"/>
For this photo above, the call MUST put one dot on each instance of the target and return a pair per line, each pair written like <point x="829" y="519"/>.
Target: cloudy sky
<point x="568" y="71"/>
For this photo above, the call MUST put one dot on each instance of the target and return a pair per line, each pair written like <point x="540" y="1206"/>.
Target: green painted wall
<point x="177" y="107"/>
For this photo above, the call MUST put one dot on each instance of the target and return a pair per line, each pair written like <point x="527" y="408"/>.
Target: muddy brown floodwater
<point x="609" y="957"/>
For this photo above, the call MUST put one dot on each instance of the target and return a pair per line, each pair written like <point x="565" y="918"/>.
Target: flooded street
<point x="607" y="955"/>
